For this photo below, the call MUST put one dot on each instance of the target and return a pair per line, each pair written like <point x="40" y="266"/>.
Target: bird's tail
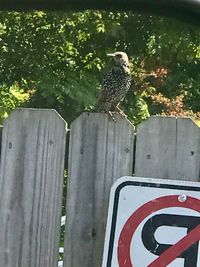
<point x="98" y="108"/>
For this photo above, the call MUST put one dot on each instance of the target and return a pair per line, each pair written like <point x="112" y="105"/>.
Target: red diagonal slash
<point x="174" y="251"/>
<point x="126" y="235"/>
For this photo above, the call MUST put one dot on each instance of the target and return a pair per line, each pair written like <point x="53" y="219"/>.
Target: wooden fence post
<point x="1" y="129"/>
<point x="31" y="178"/>
<point x="168" y="147"/>
<point x="100" y="152"/>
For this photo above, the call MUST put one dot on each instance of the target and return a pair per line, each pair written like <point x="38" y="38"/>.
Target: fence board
<point x="1" y="129"/>
<point x="32" y="162"/>
<point x="188" y="150"/>
<point x="100" y="152"/>
<point x="165" y="146"/>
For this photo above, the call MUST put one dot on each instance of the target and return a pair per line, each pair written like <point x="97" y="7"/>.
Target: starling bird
<point x="116" y="84"/>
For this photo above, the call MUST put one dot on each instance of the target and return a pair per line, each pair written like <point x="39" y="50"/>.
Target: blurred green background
<point x="57" y="60"/>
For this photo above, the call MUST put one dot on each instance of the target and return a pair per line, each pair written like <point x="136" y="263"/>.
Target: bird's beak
<point x="111" y="55"/>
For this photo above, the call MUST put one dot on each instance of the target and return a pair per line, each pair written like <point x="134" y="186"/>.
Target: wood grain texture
<point x="168" y="147"/>
<point x="187" y="150"/>
<point x="1" y="129"/>
<point x="32" y="163"/>
<point x="101" y="151"/>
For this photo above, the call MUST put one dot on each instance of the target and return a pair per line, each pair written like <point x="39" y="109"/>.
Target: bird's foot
<point x="121" y="112"/>
<point x="112" y="117"/>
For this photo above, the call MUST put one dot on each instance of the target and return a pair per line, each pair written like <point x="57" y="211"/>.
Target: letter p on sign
<point x="153" y="223"/>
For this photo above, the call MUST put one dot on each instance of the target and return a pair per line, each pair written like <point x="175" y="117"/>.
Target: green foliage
<point x="10" y="97"/>
<point x="56" y="60"/>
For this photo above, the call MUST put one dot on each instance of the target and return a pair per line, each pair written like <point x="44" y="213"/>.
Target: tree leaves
<point x="57" y="59"/>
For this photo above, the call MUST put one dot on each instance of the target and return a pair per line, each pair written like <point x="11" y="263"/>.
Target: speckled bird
<point x="116" y="84"/>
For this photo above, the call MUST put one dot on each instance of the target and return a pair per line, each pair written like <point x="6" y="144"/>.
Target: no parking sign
<point x="153" y="223"/>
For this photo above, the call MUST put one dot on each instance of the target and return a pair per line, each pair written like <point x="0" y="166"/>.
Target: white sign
<point x="153" y="223"/>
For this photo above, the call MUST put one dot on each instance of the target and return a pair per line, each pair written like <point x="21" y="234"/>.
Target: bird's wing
<point x="111" y="77"/>
<point x="107" y="85"/>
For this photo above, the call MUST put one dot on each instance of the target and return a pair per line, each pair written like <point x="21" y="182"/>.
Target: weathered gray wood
<point x="187" y="150"/>
<point x="155" y="147"/>
<point x="168" y="147"/>
<point x="1" y="129"/>
<point x="101" y="151"/>
<point x="32" y="162"/>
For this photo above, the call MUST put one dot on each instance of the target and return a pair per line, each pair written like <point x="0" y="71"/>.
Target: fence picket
<point x="31" y="179"/>
<point x="101" y="151"/>
<point x="168" y="147"/>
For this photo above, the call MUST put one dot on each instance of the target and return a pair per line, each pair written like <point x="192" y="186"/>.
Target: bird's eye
<point x="119" y="55"/>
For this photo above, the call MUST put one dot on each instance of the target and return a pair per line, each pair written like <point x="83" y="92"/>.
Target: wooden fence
<point x="100" y="151"/>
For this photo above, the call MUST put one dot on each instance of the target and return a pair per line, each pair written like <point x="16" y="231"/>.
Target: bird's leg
<point x="111" y="115"/>
<point x="121" y="111"/>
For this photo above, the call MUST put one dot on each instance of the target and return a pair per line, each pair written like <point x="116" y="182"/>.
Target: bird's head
<point x="120" y="58"/>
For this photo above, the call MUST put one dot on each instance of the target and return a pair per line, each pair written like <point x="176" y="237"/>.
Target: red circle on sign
<point x="124" y="243"/>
